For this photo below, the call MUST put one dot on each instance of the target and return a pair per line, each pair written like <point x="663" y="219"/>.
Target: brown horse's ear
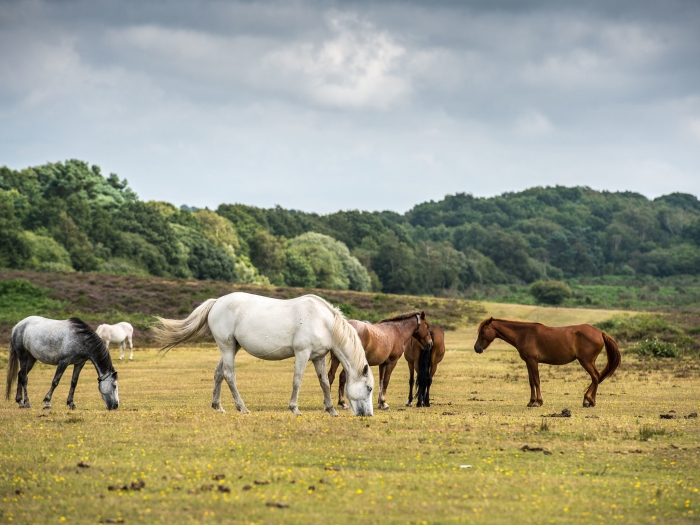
<point x="490" y="319"/>
<point x="365" y="370"/>
<point x="422" y="315"/>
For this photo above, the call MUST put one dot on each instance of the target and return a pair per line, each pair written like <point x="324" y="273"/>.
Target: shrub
<point x="20" y="287"/>
<point x="656" y="348"/>
<point x="550" y="292"/>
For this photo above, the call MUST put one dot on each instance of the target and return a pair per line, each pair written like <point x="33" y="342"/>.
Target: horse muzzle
<point x="478" y="349"/>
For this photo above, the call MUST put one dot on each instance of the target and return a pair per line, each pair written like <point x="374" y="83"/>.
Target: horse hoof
<point x="47" y="406"/>
<point x="332" y="412"/>
<point x="384" y="407"/>
<point x="121" y="358"/>
<point x="25" y="405"/>
<point x="244" y="410"/>
<point x="532" y="404"/>
<point x="409" y="403"/>
<point x="72" y="406"/>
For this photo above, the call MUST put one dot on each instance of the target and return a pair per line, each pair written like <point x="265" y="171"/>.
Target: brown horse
<point x="424" y="363"/>
<point x="384" y="343"/>
<point x="558" y="345"/>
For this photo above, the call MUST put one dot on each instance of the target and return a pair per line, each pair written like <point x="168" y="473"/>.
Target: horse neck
<point x="102" y="363"/>
<point x="508" y="331"/>
<point x="405" y="327"/>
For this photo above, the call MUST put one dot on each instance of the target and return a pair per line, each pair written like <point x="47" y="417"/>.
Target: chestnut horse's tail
<point x="614" y="358"/>
<point x="424" y="378"/>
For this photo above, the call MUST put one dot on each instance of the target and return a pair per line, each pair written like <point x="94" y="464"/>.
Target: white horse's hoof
<point x="295" y="411"/>
<point x="131" y="359"/>
<point x="121" y="358"/>
<point x="244" y="410"/>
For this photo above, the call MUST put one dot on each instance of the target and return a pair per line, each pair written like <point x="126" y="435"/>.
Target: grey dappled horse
<point x="60" y="343"/>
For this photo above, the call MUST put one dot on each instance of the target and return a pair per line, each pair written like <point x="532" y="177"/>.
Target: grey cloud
<point x="329" y="105"/>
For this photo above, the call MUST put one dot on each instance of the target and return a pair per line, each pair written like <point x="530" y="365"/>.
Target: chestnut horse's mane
<point x="400" y="317"/>
<point x="486" y="321"/>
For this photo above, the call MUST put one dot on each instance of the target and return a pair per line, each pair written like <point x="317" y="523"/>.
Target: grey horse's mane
<point x="98" y="350"/>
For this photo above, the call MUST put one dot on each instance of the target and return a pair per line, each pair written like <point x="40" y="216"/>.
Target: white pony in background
<point x="305" y="328"/>
<point x="118" y="333"/>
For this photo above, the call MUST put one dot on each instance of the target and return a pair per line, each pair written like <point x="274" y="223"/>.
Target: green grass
<point x="403" y="465"/>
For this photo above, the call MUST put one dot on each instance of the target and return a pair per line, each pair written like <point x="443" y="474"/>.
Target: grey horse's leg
<point x="22" y="380"/>
<point x="56" y="379"/>
<point x="300" y="360"/>
<point x="73" y="383"/>
<point x="320" y="366"/>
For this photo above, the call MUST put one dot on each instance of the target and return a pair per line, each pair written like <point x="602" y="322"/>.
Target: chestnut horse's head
<point x="422" y="332"/>
<point x="486" y="335"/>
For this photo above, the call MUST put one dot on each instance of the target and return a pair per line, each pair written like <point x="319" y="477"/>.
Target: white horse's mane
<point x="345" y="336"/>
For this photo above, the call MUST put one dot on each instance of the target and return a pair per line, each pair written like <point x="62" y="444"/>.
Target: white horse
<point x="118" y="333"/>
<point x="305" y="328"/>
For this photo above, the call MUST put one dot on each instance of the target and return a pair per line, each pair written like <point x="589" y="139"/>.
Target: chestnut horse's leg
<point x="534" y="376"/>
<point x="384" y="382"/>
<point x="410" y="383"/>
<point x="342" y="402"/>
<point x="589" y="396"/>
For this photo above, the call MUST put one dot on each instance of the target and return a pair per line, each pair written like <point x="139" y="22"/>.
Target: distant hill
<point x="68" y="216"/>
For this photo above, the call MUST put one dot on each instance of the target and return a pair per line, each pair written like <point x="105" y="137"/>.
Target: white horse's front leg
<point x="300" y="361"/>
<point x="320" y="366"/>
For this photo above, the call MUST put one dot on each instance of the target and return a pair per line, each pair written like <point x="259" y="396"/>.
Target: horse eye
<point x="369" y="389"/>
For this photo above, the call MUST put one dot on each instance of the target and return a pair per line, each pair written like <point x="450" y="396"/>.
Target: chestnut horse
<point x="424" y="363"/>
<point x="384" y="343"/>
<point x="558" y="345"/>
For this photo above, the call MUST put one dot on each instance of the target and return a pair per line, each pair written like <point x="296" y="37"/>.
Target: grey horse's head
<point x="359" y="393"/>
<point x="109" y="389"/>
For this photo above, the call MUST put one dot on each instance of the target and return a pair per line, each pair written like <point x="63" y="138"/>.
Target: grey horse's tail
<point x="12" y="368"/>
<point x="172" y="332"/>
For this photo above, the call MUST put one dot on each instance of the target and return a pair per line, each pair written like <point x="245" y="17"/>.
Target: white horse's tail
<point x="345" y="337"/>
<point x="172" y="332"/>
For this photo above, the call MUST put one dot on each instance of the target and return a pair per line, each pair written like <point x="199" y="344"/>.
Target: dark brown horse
<point x="384" y="343"/>
<point x="424" y="363"/>
<point x="558" y="345"/>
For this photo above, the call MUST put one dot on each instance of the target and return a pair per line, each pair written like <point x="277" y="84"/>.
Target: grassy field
<point x="461" y="460"/>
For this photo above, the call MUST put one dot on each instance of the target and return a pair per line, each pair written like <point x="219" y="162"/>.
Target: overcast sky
<point x="322" y="106"/>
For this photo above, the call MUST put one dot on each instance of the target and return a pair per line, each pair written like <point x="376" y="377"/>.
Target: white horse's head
<point x="359" y="393"/>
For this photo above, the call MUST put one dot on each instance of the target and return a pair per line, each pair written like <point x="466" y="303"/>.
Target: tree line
<point x="68" y="216"/>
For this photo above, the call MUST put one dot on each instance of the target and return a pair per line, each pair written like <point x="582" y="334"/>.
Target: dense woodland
<point x="68" y="216"/>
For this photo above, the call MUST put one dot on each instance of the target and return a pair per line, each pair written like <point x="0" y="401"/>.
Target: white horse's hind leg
<point x="228" y="369"/>
<point x="123" y="350"/>
<point x="131" y="347"/>
<point x="320" y="366"/>
<point x="300" y="361"/>
<point x="218" y="378"/>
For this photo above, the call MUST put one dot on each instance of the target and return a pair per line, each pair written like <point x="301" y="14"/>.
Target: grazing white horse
<point x="118" y="333"/>
<point x="305" y="328"/>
